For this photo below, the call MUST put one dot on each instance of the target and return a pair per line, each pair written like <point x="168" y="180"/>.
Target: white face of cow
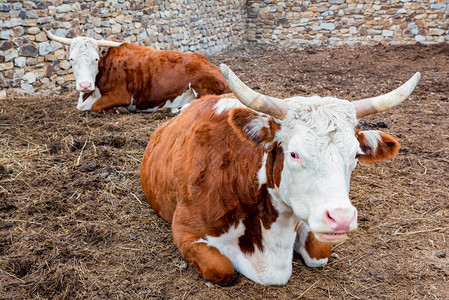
<point x="84" y="57"/>
<point x="320" y="146"/>
<point x="320" y="153"/>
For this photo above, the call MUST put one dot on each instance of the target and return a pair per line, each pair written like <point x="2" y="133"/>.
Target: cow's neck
<point x="281" y="233"/>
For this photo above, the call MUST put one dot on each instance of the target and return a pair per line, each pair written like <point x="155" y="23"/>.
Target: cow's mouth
<point x="331" y="238"/>
<point x="87" y="95"/>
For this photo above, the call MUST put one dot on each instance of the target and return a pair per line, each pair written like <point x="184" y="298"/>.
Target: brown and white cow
<point x="138" y="78"/>
<point x="245" y="180"/>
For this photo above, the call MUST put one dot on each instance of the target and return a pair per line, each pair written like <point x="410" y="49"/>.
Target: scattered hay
<point x="74" y="222"/>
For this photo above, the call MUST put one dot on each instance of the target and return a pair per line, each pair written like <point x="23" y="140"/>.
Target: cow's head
<point x="320" y="148"/>
<point x="84" y="57"/>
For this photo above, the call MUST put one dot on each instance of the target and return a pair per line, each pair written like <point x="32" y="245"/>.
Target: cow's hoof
<point x="313" y="262"/>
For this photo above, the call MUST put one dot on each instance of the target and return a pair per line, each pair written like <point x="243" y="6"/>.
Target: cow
<point x="138" y="78"/>
<point x="246" y="179"/>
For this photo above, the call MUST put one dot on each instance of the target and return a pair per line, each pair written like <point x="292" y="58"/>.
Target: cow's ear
<point x="252" y="126"/>
<point x="377" y="146"/>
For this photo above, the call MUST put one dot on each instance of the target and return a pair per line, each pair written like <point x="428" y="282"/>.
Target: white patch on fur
<point x="300" y="242"/>
<point x="262" y="173"/>
<point x="273" y="265"/>
<point x="179" y="103"/>
<point x="194" y="92"/>
<point x="228" y="245"/>
<point x="225" y="104"/>
<point x="87" y="104"/>
<point x="373" y="138"/>
<point x="253" y="128"/>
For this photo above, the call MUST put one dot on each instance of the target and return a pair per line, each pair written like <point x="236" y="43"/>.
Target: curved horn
<point x="261" y="103"/>
<point x="62" y="40"/>
<point x="380" y="103"/>
<point x="103" y="43"/>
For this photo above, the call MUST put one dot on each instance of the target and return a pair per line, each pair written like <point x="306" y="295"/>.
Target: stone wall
<point x="333" y="22"/>
<point x="30" y="63"/>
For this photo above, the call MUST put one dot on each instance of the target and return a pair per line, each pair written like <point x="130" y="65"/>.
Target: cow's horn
<point x="103" y="43"/>
<point x="380" y="103"/>
<point x="261" y="103"/>
<point x="62" y="40"/>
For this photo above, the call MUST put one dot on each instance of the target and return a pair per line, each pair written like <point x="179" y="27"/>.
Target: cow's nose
<point x="340" y="219"/>
<point x="85" y="85"/>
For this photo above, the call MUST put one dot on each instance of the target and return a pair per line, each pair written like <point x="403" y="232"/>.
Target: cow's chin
<point x="86" y="91"/>
<point x="331" y="238"/>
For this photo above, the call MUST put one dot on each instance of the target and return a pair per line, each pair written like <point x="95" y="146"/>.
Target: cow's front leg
<point x="111" y="99"/>
<point x="314" y="252"/>
<point x="207" y="260"/>
<point x="85" y="101"/>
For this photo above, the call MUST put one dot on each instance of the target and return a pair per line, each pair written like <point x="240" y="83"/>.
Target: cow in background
<point x="245" y="180"/>
<point x="138" y="78"/>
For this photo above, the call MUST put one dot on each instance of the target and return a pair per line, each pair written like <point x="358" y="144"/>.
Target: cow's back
<point x="198" y="162"/>
<point x="152" y="77"/>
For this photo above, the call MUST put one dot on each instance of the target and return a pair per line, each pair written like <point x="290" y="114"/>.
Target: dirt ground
<point x="74" y="222"/>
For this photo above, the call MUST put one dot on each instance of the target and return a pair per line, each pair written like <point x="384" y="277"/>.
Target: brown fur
<point x="206" y="183"/>
<point x="387" y="148"/>
<point x="317" y="249"/>
<point x="153" y="77"/>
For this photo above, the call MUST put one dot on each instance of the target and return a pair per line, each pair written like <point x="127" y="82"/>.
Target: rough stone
<point x="327" y="26"/>
<point x="11" y="54"/>
<point x="5" y="45"/>
<point x="387" y="33"/>
<point x="65" y="65"/>
<point x="28" y="50"/>
<point x="44" y="20"/>
<point x="32" y="61"/>
<point x="41" y="37"/>
<point x="27" y="88"/>
<point x="44" y="48"/>
<point x="61" y="32"/>
<point x="116" y="28"/>
<point x="436" y="31"/>
<point x="20" y="62"/>
<point x="5" y="7"/>
<point x="6" y="66"/>
<point x="69" y="77"/>
<point x="55" y="46"/>
<point x="5" y="34"/>
<point x="420" y="38"/>
<point x="18" y="31"/>
<point x="96" y="22"/>
<point x="438" y="6"/>
<point x="63" y="8"/>
<point x="30" y="77"/>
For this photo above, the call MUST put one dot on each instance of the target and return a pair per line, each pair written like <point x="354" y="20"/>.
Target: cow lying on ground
<point x="139" y="78"/>
<point x="245" y="180"/>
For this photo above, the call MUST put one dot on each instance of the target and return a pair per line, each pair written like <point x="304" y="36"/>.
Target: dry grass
<point x="74" y="222"/>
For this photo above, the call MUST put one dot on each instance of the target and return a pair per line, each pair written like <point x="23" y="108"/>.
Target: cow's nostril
<point x="329" y="218"/>
<point x="340" y="219"/>
<point x="85" y="85"/>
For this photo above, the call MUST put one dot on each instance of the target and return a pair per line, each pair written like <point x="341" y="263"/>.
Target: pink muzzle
<point x="85" y="86"/>
<point x="340" y="219"/>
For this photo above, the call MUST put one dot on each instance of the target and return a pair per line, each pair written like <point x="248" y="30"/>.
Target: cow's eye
<point x="96" y="60"/>
<point x="294" y="155"/>
<point x="358" y="154"/>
